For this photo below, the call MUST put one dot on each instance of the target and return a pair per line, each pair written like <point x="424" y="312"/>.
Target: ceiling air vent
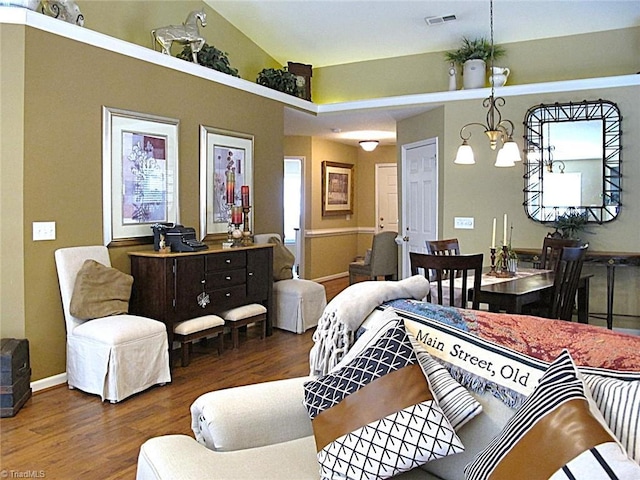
<point x="431" y="21"/>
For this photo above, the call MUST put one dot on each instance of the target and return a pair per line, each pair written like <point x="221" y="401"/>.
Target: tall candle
<point x="493" y="234"/>
<point x="236" y="215"/>
<point x="231" y="187"/>
<point x="504" y="237"/>
<point x="244" y="190"/>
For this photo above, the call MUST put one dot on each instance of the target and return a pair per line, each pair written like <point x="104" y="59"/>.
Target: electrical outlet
<point x="465" y="223"/>
<point x="44" y="231"/>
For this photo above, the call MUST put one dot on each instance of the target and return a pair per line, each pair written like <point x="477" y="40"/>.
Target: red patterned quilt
<point x="537" y="337"/>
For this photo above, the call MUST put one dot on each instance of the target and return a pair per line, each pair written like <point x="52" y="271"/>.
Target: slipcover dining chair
<point x="298" y="303"/>
<point x="450" y="246"/>
<point x="466" y="270"/>
<point x="552" y="249"/>
<point x="565" y="284"/>
<point x="114" y="356"/>
<point x="383" y="261"/>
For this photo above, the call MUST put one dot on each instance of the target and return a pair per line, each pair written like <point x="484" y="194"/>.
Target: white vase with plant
<point x="473" y="56"/>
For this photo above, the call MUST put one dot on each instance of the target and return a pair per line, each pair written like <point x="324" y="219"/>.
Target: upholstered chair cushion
<point x="100" y="291"/>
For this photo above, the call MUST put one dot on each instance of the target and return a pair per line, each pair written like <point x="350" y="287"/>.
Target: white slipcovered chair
<point x="115" y="356"/>
<point x="299" y="303"/>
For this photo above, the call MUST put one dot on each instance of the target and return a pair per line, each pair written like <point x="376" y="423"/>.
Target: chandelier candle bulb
<point x="493" y="234"/>
<point x="244" y="191"/>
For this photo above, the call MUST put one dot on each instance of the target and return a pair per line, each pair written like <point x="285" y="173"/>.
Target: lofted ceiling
<point x="333" y="32"/>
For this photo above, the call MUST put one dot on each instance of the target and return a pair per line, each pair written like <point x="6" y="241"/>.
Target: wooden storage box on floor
<point x="15" y="375"/>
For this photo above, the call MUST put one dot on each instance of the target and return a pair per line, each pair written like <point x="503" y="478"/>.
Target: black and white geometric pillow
<point x="558" y="433"/>
<point x="376" y="416"/>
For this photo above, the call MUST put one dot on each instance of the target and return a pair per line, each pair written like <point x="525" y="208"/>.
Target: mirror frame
<point x="535" y="143"/>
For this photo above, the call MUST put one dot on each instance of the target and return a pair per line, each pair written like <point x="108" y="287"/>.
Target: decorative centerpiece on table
<point x="505" y="263"/>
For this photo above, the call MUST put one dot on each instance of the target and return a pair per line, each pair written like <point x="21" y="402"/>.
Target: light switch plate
<point x="465" y="223"/>
<point x="44" y="231"/>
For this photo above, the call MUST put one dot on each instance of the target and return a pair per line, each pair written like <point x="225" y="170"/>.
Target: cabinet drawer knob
<point x="251" y="274"/>
<point x="227" y="278"/>
<point x="203" y="281"/>
<point x="227" y="294"/>
<point x="228" y="260"/>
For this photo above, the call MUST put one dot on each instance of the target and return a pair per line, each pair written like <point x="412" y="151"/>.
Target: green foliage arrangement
<point x="210" y="57"/>
<point x="278" y="79"/>
<point x="479" y="48"/>
<point x="571" y="223"/>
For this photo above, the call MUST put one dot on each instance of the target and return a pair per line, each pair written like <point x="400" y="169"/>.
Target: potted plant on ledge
<point x="472" y="56"/>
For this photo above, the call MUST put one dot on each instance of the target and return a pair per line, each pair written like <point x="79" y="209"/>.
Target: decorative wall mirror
<point x="572" y="160"/>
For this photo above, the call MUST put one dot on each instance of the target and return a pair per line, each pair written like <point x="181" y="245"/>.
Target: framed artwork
<point x="226" y="165"/>
<point x="303" y="73"/>
<point x="337" y="188"/>
<point x="139" y="174"/>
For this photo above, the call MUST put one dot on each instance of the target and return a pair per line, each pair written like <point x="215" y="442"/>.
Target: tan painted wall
<point x="63" y="160"/>
<point x="133" y="21"/>
<point x="577" y="56"/>
<point x="12" y="293"/>
<point x="483" y="192"/>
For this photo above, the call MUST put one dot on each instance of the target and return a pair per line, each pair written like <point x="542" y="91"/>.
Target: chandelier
<point x="496" y="128"/>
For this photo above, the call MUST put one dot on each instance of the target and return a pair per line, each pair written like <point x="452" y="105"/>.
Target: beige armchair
<point x="383" y="261"/>
<point x="298" y="303"/>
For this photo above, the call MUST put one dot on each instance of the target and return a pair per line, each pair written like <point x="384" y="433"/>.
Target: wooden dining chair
<point x="552" y="249"/>
<point x="565" y="285"/>
<point x="444" y="268"/>
<point x="449" y="246"/>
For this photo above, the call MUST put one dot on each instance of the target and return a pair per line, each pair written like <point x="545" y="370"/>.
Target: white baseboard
<point x="335" y="276"/>
<point x="49" y="382"/>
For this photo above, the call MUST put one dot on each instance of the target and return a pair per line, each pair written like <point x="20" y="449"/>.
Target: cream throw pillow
<point x="100" y="291"/>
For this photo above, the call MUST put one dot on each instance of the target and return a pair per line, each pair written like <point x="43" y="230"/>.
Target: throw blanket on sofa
<point x="346" y="312"/>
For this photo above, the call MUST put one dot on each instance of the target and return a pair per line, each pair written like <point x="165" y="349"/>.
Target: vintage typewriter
<point x="179" y="238"/>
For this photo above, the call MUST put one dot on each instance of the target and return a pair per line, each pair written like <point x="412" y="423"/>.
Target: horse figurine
<point x="65" y="10"/>
<point x="187" y="33"/>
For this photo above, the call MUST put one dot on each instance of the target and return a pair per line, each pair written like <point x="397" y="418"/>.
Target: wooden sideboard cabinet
<point x="172" y="287"/>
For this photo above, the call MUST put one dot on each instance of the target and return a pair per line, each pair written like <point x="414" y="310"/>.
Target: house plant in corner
<point x="473" y="56"/>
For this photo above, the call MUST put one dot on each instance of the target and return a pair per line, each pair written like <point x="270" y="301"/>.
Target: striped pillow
<point x="617" y="395"/>
<point x="558" y="433"/>
<point x="377" y="417"/>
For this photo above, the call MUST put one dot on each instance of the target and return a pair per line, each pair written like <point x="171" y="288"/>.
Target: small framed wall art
<point x="337" y="188"/>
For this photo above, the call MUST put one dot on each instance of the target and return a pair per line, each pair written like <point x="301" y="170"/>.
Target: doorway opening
<point x="293" y="207"/>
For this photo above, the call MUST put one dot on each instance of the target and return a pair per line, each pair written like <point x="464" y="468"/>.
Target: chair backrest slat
<point x="552" y="249"/>
<point x="565" y="285"/>
<point x="446" y="268"/>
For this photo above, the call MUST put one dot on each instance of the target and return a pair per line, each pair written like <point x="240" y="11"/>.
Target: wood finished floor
<point x="68" y="434"/>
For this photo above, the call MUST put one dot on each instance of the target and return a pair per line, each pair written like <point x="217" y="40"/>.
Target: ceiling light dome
<point x="369" y="145"/>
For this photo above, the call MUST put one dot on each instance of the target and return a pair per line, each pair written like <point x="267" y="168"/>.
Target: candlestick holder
<point x="236" y="235"/>
<point x="229" y="241"/>
<point x="504" y="271"/>
<point x="493" y="272"/>
<point x="246" y="232"/>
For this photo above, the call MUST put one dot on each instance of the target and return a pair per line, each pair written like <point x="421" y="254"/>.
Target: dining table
<point x="528" y="286"/>
<point x="514" y="292"/>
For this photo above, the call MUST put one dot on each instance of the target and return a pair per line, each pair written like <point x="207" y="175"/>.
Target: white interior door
<point x="386" y="197"/>
<point x="419" y="198"/>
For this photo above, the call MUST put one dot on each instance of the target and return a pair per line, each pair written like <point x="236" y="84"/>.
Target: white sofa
<point x="271" y="436"/>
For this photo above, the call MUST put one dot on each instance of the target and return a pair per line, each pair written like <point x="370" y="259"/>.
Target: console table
<point x="172" y="287"/>
<point x="610" y="259"/>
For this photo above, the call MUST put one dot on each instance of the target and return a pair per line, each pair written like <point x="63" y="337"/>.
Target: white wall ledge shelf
<point x="22" y="16"/>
